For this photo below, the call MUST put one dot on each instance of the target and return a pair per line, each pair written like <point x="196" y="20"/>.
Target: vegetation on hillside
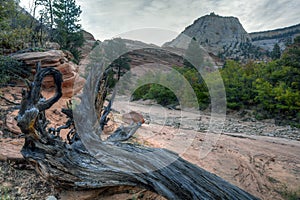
<point x="15" y="27"/>
<point x="272" y="89"/>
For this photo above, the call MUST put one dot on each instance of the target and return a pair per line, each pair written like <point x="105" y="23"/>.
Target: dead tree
<point x="70" y="165"/>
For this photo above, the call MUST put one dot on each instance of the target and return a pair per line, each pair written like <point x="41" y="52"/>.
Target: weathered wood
<point x="74" y="166"/>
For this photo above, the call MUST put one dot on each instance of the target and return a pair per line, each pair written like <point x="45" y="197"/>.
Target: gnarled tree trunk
<point x="69" y="164"/>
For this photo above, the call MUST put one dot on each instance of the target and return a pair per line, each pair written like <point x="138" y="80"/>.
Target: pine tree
<point x="67" y="32"/>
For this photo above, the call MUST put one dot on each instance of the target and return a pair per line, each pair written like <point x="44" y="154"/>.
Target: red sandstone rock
<point x="133" y="117"/>
<point x="58" y="59"/>
<point x="47" y="58"/>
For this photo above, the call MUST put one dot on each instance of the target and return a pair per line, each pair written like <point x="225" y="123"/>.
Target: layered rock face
<point x="72" y="82"/>
<point x="215" y="33"/>
<point x="283" y="36"/>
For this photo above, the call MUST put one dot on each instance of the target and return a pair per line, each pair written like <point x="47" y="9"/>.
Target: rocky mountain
<point x="267" y="39"/>
<point x="225" y="37"/>
<point x="89" y="43"/>
<point x="222" y="38"/>
<point x="218" y="35"/>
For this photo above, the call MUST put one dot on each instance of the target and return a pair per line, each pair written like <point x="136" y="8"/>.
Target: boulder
<point x="52" y="45"/>
<point x="60" y="60"/>
<point x="132" y="117"/>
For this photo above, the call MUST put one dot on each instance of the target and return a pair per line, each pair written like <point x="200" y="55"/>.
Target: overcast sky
<point x="106" y="19"/>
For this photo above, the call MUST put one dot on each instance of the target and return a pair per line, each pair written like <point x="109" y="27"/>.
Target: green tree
<point x="238" y="80"/>
<point x="68" y="31"/>
<point x="291" y="55"/>
<point x="278" y="86"/>
<point x="175" y="88"/>
<point x="161" y="94"/>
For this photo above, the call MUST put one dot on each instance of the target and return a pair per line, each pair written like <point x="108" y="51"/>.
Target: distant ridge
<point x="294" y="28"/>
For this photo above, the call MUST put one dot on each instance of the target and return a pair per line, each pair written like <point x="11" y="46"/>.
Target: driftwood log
<point x="70" y="165"/>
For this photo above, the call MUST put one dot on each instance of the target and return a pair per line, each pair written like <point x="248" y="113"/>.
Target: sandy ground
<point x="264" y="166"/>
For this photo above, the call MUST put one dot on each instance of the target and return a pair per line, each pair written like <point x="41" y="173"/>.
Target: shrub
<point x="161" y="94"/>
<point x="11" y="68"/>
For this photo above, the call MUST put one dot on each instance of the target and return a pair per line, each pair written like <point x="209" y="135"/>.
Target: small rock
<point x="149" y="102"/>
